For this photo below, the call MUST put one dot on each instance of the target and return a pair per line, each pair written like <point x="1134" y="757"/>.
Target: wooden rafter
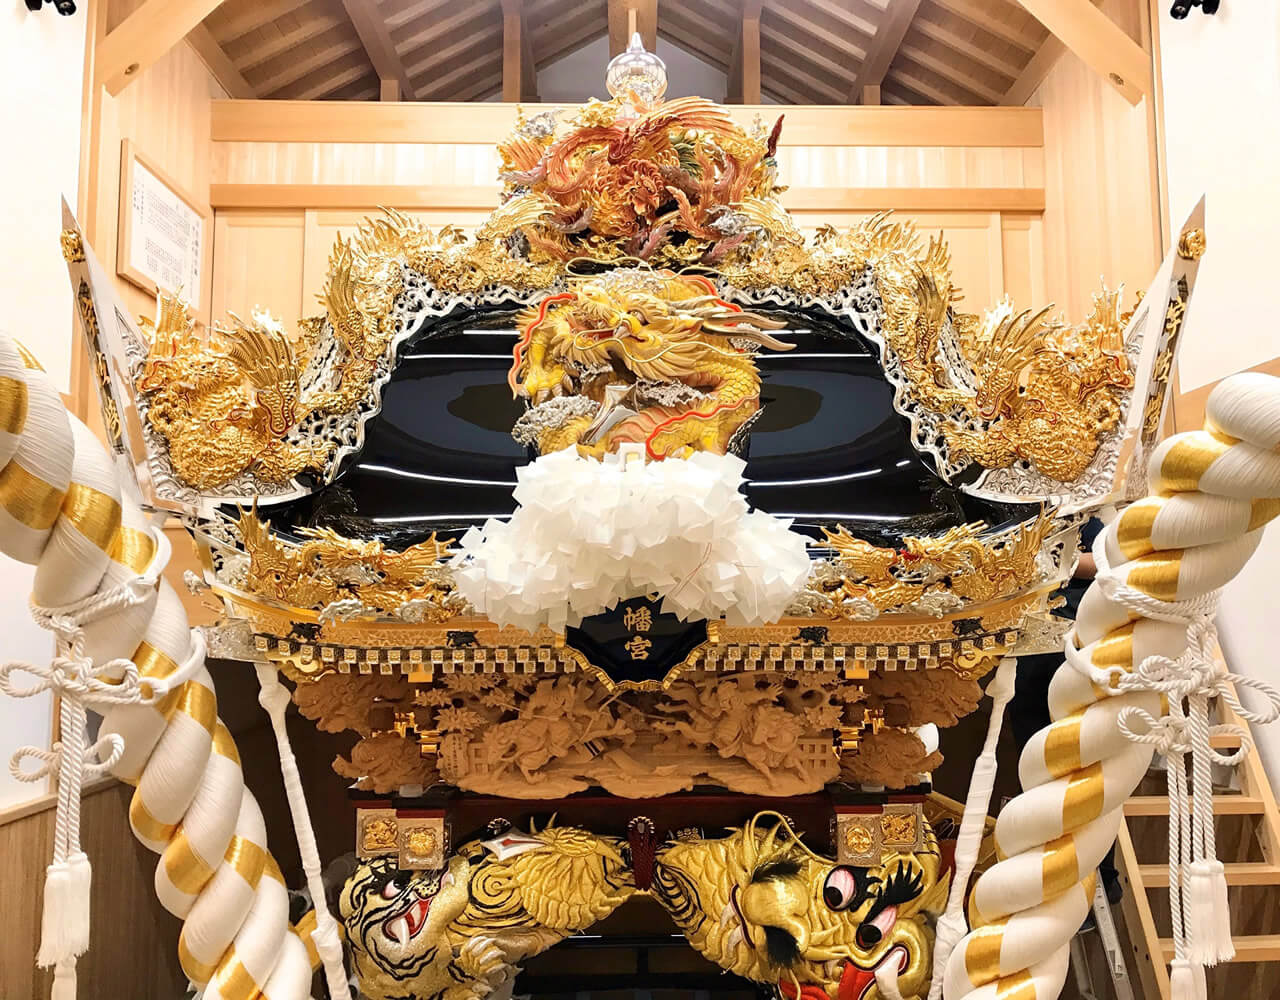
<point x="818" y="91"/>
<point x="336" y="44"/>
<point x="566" y="30"/>
<point x="434" y="61"/>
<point x="248" y="53"/>
<point x="452" y="86"/>
<point x="620" y="21"/>
<point x="803" y="48"/>
<point x="144" y="36"/>
<point x="980" y="13"/>
<point x="459" y="19"/>
<point x="1099" y="41"/>
<point x="376" y="39"/>
<point x="975" y="53"/>
<point x="884" y="47"/>
<point x="232" y="25"/>
<point x="684" y="35"/>
<point x="842" y="16"/>
<point x="218" y="63"/>
<point x="952" y="73"/>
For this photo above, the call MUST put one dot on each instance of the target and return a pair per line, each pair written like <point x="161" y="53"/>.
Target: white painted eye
<point x="391" y="890"/>
<point x="840" y="888"/>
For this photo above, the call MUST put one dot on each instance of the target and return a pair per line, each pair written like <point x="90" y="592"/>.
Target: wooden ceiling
<point x="970" y="52"/>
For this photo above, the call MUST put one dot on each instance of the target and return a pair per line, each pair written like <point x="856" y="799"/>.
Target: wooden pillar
<point x="512" y="50"/>
<point x="626" y="16"/>
<point x="751" y="53"/>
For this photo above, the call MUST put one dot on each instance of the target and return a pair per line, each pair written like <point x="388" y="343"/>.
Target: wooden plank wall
<point x="1102" y="211"/>
<point x="974" y="175"/>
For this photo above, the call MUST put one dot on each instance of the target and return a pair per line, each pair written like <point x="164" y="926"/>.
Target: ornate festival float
<point x="646" y="542"/>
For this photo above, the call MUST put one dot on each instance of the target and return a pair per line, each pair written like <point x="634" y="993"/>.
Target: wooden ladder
<point x="1152" y="951"/>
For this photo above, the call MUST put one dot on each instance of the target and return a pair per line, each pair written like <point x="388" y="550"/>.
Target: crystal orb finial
<point x="637" y="73"/>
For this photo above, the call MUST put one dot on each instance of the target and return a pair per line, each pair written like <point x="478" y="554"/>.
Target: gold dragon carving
<point x="224" y="403"/>
<point x="960" y="561"/>
<point x="327" y="567"/>
<point x="623" y="341"/>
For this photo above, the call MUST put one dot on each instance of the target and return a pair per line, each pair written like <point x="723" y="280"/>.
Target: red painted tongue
<point x="854" y="981"/>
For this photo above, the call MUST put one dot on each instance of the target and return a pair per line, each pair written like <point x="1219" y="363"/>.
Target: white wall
<point x="1222" y="125"/>
<point x="41" y="65"/>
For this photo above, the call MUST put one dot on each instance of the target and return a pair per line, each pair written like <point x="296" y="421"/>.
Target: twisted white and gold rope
<point x="1161" y="563"/>
<point x="61" y="510"/>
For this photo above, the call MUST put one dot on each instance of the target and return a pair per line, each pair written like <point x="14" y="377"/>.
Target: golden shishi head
<point x="637" y="356"/>
<point x="395" y="921"/>
<point x="460" y="933"/>
<point x="760" y="904"/>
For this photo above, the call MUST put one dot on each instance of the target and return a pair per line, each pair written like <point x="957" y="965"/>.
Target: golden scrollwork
<point x="637" y="356"/>
<point x="328" y="567"/>
<point x="961" y="561"/>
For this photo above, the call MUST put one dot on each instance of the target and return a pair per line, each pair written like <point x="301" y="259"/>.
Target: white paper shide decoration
<point x="588" y="533"/>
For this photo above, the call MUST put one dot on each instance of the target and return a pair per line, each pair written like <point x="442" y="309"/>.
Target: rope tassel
<point x="1141" y="671"/>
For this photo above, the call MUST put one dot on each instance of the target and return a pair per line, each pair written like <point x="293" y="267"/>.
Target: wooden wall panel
<point x="279" y="259"/>
<point x="1022" y="243"/>
<point x="165" y="112"/>
<point x="243" y="278"/>
<point x="442" y="163"/>
<point x="134" y="951"/>
<point x="1101" y="219"/>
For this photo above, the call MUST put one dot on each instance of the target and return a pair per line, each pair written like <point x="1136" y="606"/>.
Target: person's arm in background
<point x="1086" y="568"/>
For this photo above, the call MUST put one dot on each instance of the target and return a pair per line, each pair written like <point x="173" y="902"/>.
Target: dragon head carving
<point x="762" y="905"/>
<point x="638" y="356"/>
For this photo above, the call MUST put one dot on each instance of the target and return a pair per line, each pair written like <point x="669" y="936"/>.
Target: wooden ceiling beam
<point x="447" y="87"/>
<point x="422" y="31"/>
<point x="219" y="64"/>
<point x="980" y="14"/>
<point x="820" y="91"/>
<point x="696" y="47"/>
<point x="884" y="47"/>
<point x="145" y="36"/>
<point x="396" y="15"/>
<point x="328" y="78"/>
<point x="247" y="53"/>
<point x="443" y="60"/>
<point x="840" y="74"/>
<point x="482" y="88"/>
<point x="1099" y="41"/>
<point x="950" y="72"/>
<point x="906" y="80"/>
<point x="270" y="78"/>
<point x="1033" y="74"/>
<point x="231" y="23"/>
<point x="945" y="36"/>
<point x="376" y="39"/>
<point x="684" y="33"/>
<point x="841" y="13"/>
<point x="620" y="24"/>
<point x="586" y="27"/>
